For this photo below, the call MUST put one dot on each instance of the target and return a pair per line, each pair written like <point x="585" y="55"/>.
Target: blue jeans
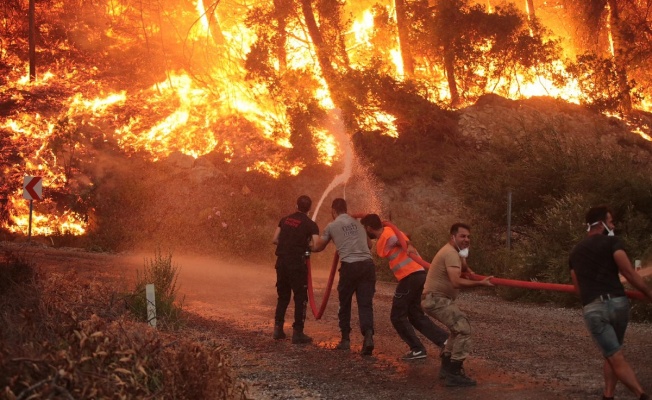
<point x="357" y="278"/>
<point x="607" y="322"/>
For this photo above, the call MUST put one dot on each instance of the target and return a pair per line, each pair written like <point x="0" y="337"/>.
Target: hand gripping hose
<point x="557" y="287"/>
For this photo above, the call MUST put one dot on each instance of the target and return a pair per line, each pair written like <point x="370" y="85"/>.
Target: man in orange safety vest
<point x="406" y="313"/>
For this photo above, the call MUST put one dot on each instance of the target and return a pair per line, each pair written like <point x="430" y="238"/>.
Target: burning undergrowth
<point x="192" y="124"/>
<point x="68" y="338"/>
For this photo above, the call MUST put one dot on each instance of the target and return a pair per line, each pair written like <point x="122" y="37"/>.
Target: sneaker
<point x="344" y="344"/>
<point x="414" y="355"/>
<point x="368" y="344"/>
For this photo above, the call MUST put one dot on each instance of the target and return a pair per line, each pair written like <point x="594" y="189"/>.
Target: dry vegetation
<point x="62" y="337"/>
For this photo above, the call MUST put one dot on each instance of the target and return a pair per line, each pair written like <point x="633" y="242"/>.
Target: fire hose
<point x="329" y="286"/>
<point x="555" y="287"/>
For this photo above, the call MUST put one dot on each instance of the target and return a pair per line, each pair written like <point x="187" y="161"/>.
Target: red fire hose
<point x="329" y="286"/>
<point x="556" y="287"/>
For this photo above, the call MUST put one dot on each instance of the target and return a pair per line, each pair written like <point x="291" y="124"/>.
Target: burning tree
<point x="256" y="86"/>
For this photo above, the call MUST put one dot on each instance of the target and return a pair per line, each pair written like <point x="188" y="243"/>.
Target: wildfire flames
<point x="186" y="110"/>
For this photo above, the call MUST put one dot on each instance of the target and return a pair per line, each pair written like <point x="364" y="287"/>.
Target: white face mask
<point x="609" y="231"/>
<point x="464" y="253"/>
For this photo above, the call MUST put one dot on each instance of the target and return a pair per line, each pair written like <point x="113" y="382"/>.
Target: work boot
<point x="368" y="343"/>
<point x="445" y="365"/>
<point x="298" y="337"/>
<point x="345" y="342"/>
<point x="278" y="332"/>
<point x="456" y="375"/>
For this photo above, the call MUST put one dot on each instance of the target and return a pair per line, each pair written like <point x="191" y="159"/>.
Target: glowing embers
<point x="380" y="121"/>
<point x="40" y="80"/>
<point x="45" y="220"/>
<point x="98" y="106"/>
<point x="277" y="168"/>
<point x="639" y="130"/>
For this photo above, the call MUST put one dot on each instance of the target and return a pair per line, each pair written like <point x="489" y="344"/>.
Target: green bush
<point x="160" y="272"/>
<point x="554" y="177"/>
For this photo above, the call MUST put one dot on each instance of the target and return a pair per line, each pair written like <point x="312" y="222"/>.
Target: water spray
<point x="340" y="179"/>
<point x="345" y="144"/>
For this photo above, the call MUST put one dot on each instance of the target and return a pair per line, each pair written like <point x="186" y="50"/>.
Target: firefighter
<point x="294" y="236"/>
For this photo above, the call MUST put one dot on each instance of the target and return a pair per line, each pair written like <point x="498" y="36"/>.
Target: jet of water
<point x="345" y="144"/>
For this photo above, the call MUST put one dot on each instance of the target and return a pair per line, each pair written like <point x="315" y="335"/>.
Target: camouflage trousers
<point x="446" y="311"/>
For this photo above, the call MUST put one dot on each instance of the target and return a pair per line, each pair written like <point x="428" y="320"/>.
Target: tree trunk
<point x="282" y="11"/>
<point x="323" y="53"/>
<point x="449" y="66"/>
<point x="32" y="40"/>
<point x="404" y="38"/>
<point x="621" y="50"/>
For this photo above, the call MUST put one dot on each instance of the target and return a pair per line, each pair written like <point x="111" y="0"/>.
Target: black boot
<point x="445" y="365"/>
<point x="298" y="337"/>
<point x="345" y="342"/>
<point x="278" y="332"/>
<point x="368" y="343"/>
<point x="456" y="375"/>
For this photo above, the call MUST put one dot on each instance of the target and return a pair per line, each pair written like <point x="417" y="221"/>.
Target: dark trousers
<point x="407" y="315"/>
<point x="291" y="277"/>
<point x="359" y="278"/>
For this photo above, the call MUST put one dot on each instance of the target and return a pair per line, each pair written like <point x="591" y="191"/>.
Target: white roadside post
<point x="151" y="304"/>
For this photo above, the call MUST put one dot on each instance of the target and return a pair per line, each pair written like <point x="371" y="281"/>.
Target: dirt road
<point x="520" y="351"/>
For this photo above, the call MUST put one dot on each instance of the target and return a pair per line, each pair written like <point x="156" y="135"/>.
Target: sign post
<point x="150" y="295"/>
<point x="32" y="190"/>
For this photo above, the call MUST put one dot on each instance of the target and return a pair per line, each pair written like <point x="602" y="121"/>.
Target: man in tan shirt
<point x="444" y="279"/>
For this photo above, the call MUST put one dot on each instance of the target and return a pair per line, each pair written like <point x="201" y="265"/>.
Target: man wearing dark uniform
<point x="293" y="238"/>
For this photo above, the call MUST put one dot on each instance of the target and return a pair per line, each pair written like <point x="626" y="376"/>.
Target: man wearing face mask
<point x="406" y="314"/>
<point x="443" y="281"/>
<point x="595" y="263"/>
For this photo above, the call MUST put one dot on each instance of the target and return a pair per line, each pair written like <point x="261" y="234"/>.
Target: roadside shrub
<point x="160" y="272"/>
<point x="554" y="177"/>
<point x="74" y="341"/>
<point x="15" y="271"/>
